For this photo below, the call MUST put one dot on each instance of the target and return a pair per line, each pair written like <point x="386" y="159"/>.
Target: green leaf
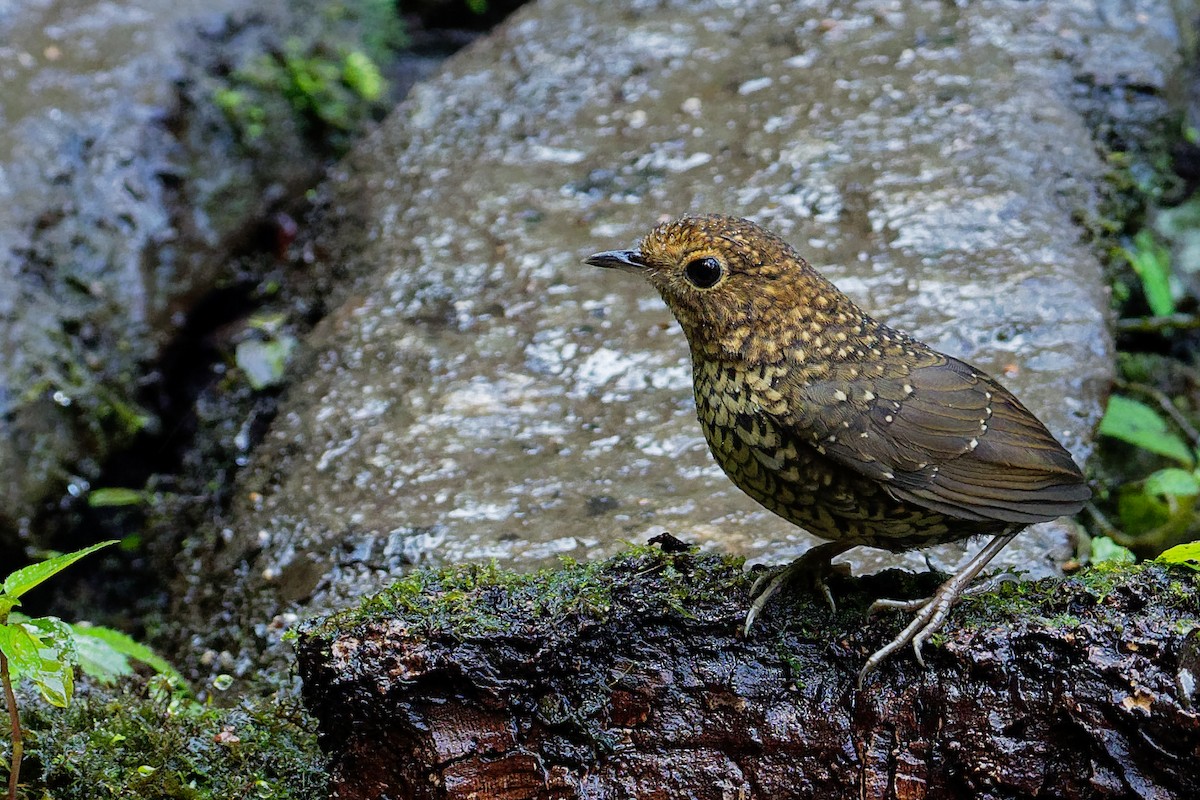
<point x="43" y="651"/>
<point x="265" y="362"/>
<point x="98" y="660"/>
<point x="115" y="496"/>
<point x="111" y="651"/>
<point x="1187" y="555"/>
<point x="1105" y="549"/>
<point x="1138" y="424"/>
<point x="1139" y="511"/>
<point x="360" y="74"/>
<point x="271" y="324"/>
<point x="1174" y="482"/>
<point x="24" y="579"/>
<point x="56" y="677"/>
<point x="21" y="648"/>
<point x="1152" y="263"/>
<point x="56" y="684"/>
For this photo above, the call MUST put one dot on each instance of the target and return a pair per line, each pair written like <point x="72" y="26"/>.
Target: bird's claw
<point x="896" y="605"/>
<point x="762" y="594"/>
<point x="814" y="566"/>
<point x="931" y="614"/>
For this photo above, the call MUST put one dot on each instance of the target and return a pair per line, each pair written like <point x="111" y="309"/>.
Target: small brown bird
<point x="852" y="430"/>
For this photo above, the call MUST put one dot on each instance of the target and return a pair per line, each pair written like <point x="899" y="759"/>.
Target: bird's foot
<point x="812" y="568"/>
<point x="931" y="612"/>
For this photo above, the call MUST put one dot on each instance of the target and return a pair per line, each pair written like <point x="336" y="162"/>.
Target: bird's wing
<point x="942" y="435"/>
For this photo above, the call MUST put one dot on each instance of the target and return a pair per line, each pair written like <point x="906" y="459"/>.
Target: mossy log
<point x="631" y="679"/>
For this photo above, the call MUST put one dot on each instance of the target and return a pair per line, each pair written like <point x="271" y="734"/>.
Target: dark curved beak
<point x="626" y="260"/>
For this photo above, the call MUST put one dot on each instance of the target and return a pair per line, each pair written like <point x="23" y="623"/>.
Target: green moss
<point x="1064" y="621"/>
<point x="581" y="607"/>
<point x="1056" y="600"/>
<point x="95" y="396"/>
<point x="130" y="743"/>
<point x="797" y="667"/>
<point x="324" y="79"/>
<point x="248" y="117"/>
<point x="471" y="600"/>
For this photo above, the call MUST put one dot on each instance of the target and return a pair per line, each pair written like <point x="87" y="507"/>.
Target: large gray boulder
<point x="480" y="394"/>
<point x="124" y="189"/>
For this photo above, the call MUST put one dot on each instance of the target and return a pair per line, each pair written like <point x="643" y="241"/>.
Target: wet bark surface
<point x="630" y="679"/>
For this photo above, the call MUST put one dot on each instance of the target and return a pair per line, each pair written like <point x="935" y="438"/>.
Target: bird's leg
<point x="932" y="611"/>
<point x="815" y="566"/>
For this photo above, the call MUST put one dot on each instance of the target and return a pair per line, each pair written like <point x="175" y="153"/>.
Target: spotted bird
<point x="850" y="429"/>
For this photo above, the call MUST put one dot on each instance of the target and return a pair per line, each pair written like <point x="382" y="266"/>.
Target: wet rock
<point x="478" y="387"/>
<point x="124" y="186"/>
<point x="631" y="679"/>
<point x="81" y="205"/>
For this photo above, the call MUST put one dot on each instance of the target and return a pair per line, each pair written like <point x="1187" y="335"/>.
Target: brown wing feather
<point x="945" y="436"/>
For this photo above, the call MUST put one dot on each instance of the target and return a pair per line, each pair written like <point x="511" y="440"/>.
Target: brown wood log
<point x="630" y="679"/>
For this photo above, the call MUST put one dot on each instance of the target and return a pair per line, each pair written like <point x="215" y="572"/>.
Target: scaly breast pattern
<point x="789" y="477"/>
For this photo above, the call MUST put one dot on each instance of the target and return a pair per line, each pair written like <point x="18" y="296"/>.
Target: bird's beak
<point x="625" y="260"/>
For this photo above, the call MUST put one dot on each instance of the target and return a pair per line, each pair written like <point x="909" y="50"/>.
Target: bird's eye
<point x="704" y="273"/>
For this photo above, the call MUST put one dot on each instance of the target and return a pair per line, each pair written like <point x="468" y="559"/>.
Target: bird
<point x="850" y="429"/>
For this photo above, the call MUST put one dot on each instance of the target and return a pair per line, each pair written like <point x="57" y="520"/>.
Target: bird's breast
<point x="738" y="407"/>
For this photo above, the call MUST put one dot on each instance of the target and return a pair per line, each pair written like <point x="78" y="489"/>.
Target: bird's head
<point x="724" y="278"/>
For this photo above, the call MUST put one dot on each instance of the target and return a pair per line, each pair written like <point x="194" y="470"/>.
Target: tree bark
<point x="630" y="679"/>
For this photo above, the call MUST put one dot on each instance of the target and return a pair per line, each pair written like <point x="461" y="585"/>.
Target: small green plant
<point x="320" y="78"/>
<point x="46" y="651"/>
<point x="117" y="497"/>
<point x="1186" y="555"/>
<point x="1159" y="510"/>
<point x="1138" y="424"/>
<point x="330" y="92"/>
<point x="249" y="117"/>
<point x="324" y="86"/>
<point x="1151" y="262"/>
<point x="264" y="358"/>
<point x="1149" y="450"/>
<point x="1105" y="550"/>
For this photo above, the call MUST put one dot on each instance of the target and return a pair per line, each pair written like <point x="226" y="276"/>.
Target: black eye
<point x="704" y="272"/>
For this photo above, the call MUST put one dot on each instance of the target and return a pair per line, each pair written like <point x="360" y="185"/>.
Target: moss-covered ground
<point x="129" y="742"/>
<point x="472" y="601"/>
